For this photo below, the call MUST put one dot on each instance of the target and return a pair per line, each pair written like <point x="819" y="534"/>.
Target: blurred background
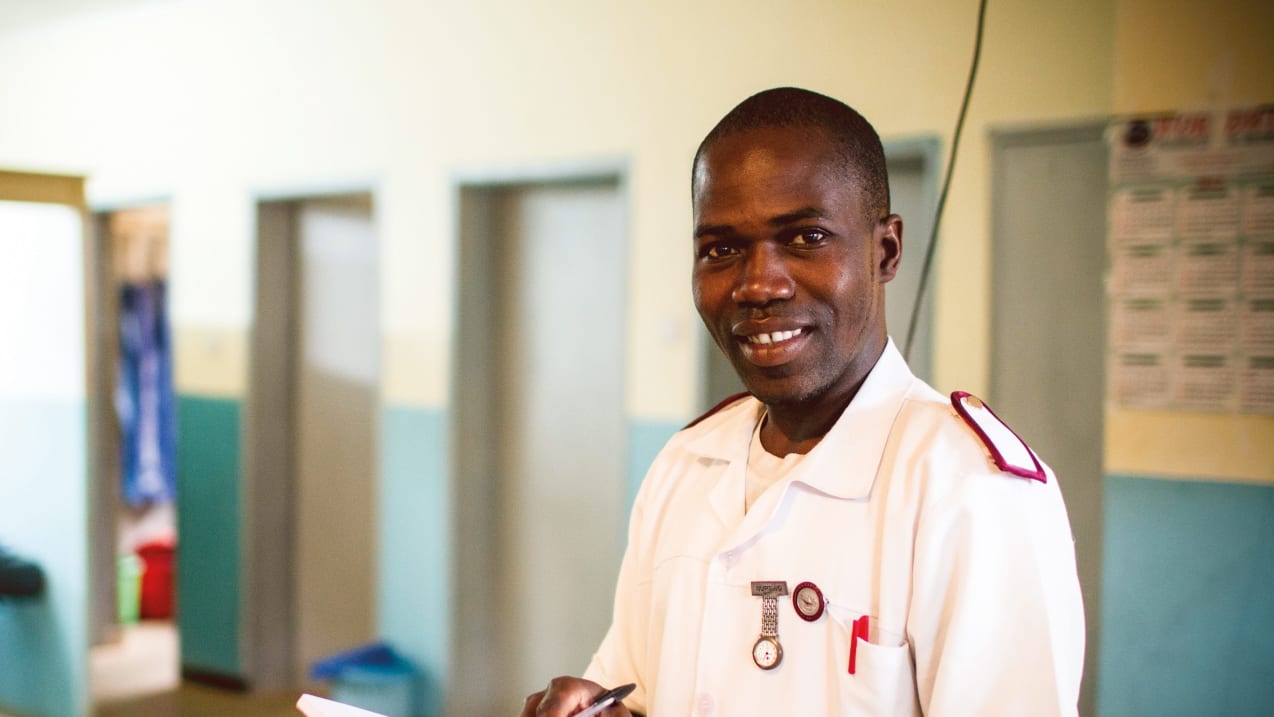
<point x="334" y="325"/>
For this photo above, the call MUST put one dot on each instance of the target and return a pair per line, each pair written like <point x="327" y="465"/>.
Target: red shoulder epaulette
<point x="729" y="400"/>
<point x="1009" y="452"/>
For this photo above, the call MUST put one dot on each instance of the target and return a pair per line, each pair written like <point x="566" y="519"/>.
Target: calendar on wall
<point x="1190" y="289"/>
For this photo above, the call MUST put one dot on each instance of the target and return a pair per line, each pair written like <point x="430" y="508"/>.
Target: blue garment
<point x="144" y="398"/>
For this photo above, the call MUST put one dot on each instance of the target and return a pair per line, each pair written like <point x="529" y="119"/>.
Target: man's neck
<point x="798" y="426"/>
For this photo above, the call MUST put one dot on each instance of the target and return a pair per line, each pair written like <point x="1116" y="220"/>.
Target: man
<point x="845" y="540"/>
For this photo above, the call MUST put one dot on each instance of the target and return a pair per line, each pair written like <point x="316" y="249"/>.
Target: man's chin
<point x="786" y="392"/>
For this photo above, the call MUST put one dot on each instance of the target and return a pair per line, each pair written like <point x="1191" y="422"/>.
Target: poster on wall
<point x="1191" y="243"/>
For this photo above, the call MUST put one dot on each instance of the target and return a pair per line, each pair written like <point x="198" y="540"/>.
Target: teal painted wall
<point x="43" y="517"/>
<point x="414" y="601"/>
<point x="645" y="439"/>
<point x="208" y="526"/>
<point x="415" y="529"/>
<point x="1187" y="599"/>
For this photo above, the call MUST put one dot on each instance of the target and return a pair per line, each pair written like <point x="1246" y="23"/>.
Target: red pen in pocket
<point x="859" y="631"/>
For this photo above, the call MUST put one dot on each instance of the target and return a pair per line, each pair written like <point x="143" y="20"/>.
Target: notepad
<point x="313" y="706"/>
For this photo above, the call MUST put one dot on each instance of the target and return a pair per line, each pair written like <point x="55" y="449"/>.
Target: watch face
<point x="767" y="653"/>
<point x="808" y="601"/>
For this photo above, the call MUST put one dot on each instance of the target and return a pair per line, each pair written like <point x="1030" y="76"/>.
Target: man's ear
<point x="889" y="246"/>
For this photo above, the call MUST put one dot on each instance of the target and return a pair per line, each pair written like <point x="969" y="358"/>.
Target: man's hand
<point x="567" y="695"/>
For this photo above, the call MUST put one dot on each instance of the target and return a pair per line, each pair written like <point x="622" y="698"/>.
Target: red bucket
<point x="157" y="580"/>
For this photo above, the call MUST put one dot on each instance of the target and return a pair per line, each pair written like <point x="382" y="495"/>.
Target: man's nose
<point x="764" y="277"/>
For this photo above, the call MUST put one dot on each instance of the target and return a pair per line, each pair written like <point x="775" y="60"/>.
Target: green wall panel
<point x="208" y="529"/>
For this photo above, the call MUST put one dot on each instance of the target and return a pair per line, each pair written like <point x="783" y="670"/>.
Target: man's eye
<point x="808" y="237"/>
<point x="717" y="251"/>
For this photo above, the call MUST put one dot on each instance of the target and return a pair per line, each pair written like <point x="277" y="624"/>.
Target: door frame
<point x="267" y="598"/>
<point x="102" y="317"/>
<point x="471" y="491"/>
<point x="1085" y="503"/>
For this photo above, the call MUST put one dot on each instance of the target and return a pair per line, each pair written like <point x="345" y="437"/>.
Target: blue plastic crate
<point x="372" y="677"/>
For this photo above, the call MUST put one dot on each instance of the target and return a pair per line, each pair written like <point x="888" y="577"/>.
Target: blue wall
<point x="208" y="490"/>
<point x="1187" y="599"/>
<point x="414" y="601"/>
<point x="415" y="529"/>
<point x="43" y="517"/>
<point x="645" y="439"/>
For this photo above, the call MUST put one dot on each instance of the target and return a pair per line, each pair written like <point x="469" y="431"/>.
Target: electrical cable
<point x="946" y="184"/>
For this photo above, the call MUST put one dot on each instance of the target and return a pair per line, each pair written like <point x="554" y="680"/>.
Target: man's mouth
<point x="772" y="348"/>
<point x="774" y="337"/>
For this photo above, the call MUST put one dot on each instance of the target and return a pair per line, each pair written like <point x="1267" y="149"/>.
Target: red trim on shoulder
<point x="728" y="400"/>
<point x="957" y="401"/>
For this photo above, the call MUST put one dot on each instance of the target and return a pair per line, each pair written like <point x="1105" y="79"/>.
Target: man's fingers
<point x="531" y="704"/>
<point x="563" y="697"/>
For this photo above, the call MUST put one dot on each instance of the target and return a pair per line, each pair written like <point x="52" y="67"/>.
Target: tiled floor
<point x="138" y="676"/>
<point x="192" y="700"/>
<point x="143" y="661"/>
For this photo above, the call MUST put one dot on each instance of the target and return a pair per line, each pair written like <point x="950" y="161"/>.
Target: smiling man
<point x="843" y="540"/>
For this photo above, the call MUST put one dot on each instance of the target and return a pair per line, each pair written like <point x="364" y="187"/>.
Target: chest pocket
<point x="883" y="682"/>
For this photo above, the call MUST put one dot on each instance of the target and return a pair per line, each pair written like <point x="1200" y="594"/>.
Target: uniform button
<point x="704" y="705"/>
<point x="729" y="558"/>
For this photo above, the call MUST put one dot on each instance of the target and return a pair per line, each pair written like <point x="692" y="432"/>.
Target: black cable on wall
<point x="946" y="184"/>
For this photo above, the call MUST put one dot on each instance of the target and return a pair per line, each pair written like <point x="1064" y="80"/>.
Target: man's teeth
<point x="773" y="337"/>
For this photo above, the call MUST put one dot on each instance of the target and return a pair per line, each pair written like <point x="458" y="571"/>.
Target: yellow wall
<point x="1189" y="56"/>
<point x="1178" y="55"/>
<point x="211" y="104"/>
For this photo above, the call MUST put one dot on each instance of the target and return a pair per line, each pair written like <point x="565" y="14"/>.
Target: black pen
<point x="606" y="699"/>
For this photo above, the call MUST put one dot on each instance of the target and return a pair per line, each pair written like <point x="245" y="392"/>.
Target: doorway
<point x="134" y="522"/>
<point x="1048" y="249"/>
<point x="310" y="485"/>
<point x="540" y="448"/>
<point x="912" y="195"/>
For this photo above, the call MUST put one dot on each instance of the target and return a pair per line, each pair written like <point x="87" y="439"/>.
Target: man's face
<point x="789" y="268"/>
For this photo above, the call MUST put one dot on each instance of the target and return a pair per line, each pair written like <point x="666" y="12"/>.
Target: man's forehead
<point x="756" y="164"/>
<point x="768" y="150"/>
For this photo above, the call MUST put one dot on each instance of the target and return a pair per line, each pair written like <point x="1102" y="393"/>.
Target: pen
<point x="606" y="699"/>
<point x="860" y="631"/>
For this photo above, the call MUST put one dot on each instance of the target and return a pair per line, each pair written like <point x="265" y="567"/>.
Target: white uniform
<point x="967" y="573"/>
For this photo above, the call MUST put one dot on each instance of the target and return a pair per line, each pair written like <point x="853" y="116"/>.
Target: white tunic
<point x="967" y="573"/>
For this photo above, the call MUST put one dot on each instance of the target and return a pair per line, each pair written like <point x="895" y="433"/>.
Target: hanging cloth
<point x="144" y="396"/>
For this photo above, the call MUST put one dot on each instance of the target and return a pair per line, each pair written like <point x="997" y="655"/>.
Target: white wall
<point x="209" y="102"/>
<point x="43" y="457"/>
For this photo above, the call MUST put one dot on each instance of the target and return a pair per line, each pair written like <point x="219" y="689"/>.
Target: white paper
<point x="1256" y="390"/>
<point x="1191" y="283"/>
<point x="314" y="706"/>
<point x="1210" y="208"/>
<point x="1142" y="213"/>
<point x="1258" y="267"/>
<point x="1205" y="382"/>
<point x="1208" y="266"/>
<point x="1143" y="267"/>
<point x="1206" y="324"/>
<point x="1142" y="322"/>
<point x="1140" y="380"/>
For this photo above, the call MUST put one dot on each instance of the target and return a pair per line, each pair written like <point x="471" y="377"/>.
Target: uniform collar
<point x="844" y="463"/>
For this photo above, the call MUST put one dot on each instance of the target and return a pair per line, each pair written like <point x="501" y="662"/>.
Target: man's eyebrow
<point x="779" y="220"/>
<point x="704" y="230"/>
<point x="796" y="216"/>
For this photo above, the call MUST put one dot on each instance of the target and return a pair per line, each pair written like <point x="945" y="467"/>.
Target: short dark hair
<point x="861" y="154"/>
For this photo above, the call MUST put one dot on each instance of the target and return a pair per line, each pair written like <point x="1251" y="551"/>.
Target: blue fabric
<point x="144" y="396"/>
